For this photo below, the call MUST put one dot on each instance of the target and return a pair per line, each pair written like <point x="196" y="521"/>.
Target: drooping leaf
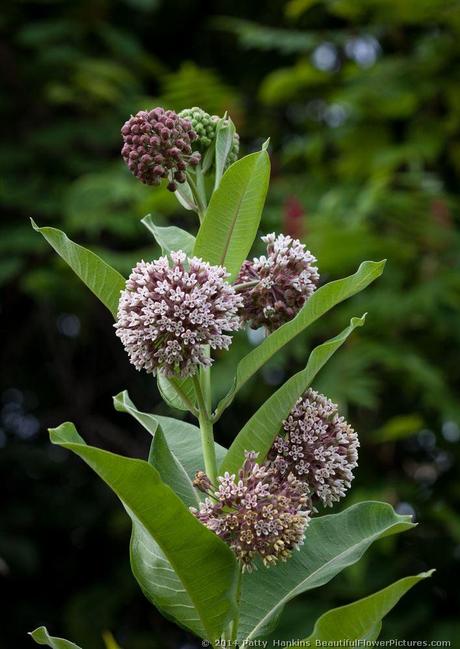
<point x="332" y="543"/>
<point x="183" y="438"/>
<point x="225" y="131"/>
<point x="233" y="215"/>
<point x="320" y="302"/>
<point x="261" y="429"/>
<point x="41" y="636"/>
<point x="204" y="565"/>
<point x="170" y="238"/>
<point x="177" y="392"/>
<point x="171" y="470"/>
<point x="103" y="280"/>
<point x="361" y="620"/>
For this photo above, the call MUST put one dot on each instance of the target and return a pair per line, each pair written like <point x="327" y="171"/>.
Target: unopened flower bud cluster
<point x="157" y="145"/>
<point x="205" y="126"/>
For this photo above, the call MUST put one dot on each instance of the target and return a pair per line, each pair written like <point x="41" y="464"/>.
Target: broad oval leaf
<point x="103" y="280"/>
<point x="360" y="620"/>
<point x="322" y="300"/>
<point x="233" y="215"/>
<point x="160" y="584"/>
<point x="152" y="570"/>
<point x="171" y="470"/>
<point x="177" y="392"/>
<point x="205" y="566"/>
<point x="261" y="429"/>
<point x="41" y="636"/>
<point x="332" y="543"/>
<point x="183" y="439"/>
<point x="170" y="238"/>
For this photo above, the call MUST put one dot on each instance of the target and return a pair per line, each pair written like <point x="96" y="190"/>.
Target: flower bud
<point x="156" y="142"/>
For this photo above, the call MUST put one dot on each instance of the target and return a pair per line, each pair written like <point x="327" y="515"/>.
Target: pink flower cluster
<point x="256" y="513"/>
<point x="167" y="313"/>
<point x="319" y="447"/>
<point x="286" y="277"/>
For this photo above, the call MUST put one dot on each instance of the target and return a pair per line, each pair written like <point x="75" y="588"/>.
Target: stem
<point x="201" y="188"/>
<point x="236" y="619"/>
<point x="207" y="437"/>
<point x="244" y="285"/>
<point x="196" y="195"/>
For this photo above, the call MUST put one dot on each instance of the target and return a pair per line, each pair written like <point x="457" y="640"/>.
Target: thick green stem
<point x="207" y="436"/>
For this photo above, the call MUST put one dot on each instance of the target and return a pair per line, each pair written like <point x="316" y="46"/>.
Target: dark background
<point x="362" y="102"/>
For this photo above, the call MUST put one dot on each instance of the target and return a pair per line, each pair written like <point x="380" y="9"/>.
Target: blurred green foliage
<point x="361" y="100"/>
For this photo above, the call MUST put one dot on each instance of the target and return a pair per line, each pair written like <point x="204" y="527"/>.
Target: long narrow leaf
<point x="225" y="132"/>
<point x="359" y="621"/>
<point x="41" y="636"/>
<point x="261" y="429"/>
<point x="233" y="215"/>
<point x="103" y="280"/>
<point x="324" y="299"/>
<point x="205" y="566"/>
<point x="332" y="543"/>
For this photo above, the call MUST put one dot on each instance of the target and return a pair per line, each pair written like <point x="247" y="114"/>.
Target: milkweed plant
<point x="222" y="539"/>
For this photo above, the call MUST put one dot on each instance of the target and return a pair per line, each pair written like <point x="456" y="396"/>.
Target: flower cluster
<point x="167" y="313"/>
<point x="256" y="513"/>
<point x="202" y="123"/>
<point x="319" y="447"/>
<point x="205" y="126"/>
<point x="284" y="280"/>
<point x="157" y="144"/>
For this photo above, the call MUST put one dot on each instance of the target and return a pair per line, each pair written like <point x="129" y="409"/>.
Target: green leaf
<point x="171" y="470"/>
<point x="41" y="636"/>
<point x="183" y="439"/>
<point x="177" y="392"/>
<point x="360" y="620"/>
<point x="152" y="570"/>
<point x="225" y="131"/>
<point x="233" y="215"/>
<point x="185" y="197"/>
<point x="103" y="280"/>
<point x="332" y="543"/>
<point x="202" y="562"/>
<point x="160" y="584"/>
<point x="261" y="429"/>
<point x="320" y="302"/>
<point x="170" y="238"/>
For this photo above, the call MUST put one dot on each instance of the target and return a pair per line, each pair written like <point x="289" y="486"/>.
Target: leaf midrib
<point x="235" y="218"/>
